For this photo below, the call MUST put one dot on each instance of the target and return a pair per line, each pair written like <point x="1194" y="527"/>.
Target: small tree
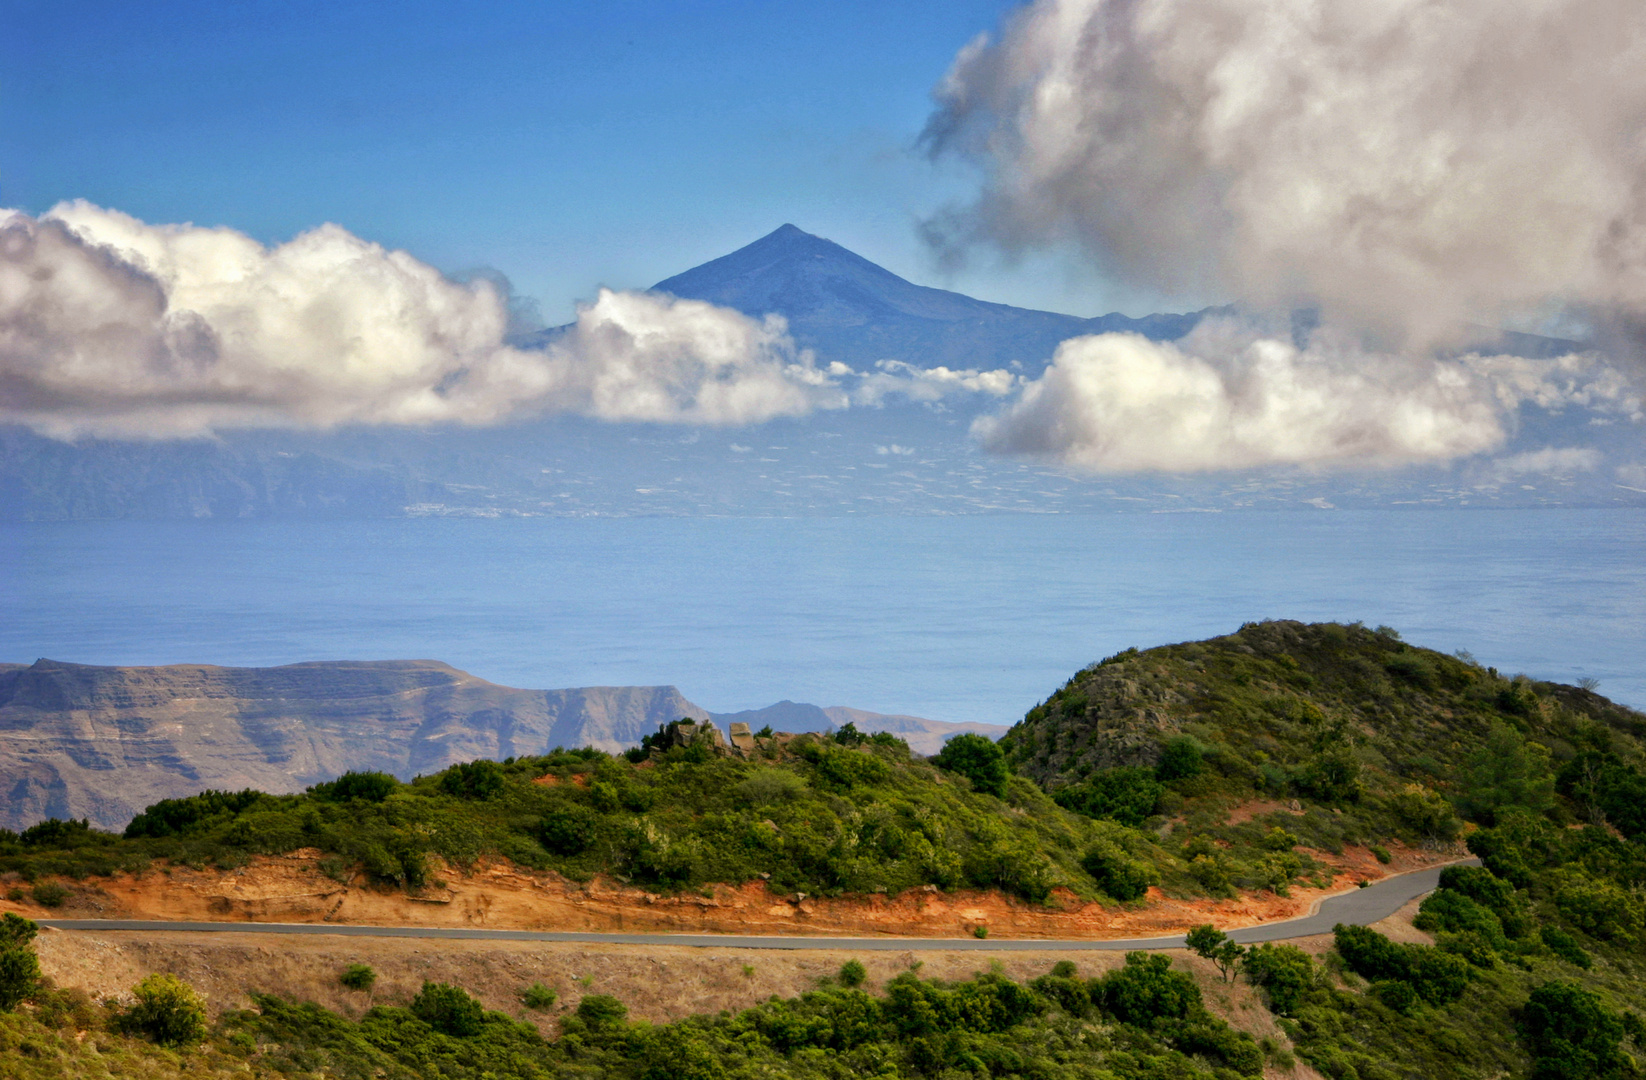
<point x="1570" y="1032"/>
<point x="168" y="1011"/>
<point x="448" y="1009"/>
<point x="979" y="760"/>
<point x="1209" y="942"/>
<point x="852" y="973"/>
<point x="358" y="977"/>
<point x="540" y="997"/>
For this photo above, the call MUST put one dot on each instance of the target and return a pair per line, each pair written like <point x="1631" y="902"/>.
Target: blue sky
<point x="569" y="145"/>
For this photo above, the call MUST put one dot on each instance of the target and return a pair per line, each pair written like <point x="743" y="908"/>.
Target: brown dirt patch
<point x="497" y="894"/>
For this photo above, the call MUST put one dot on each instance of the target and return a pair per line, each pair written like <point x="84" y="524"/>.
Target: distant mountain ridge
<point x="850" y="309"/>
<point x="102" y="743"/>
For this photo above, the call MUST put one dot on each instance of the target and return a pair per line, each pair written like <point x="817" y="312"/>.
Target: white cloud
<point x="1231" y="397"/>
<point x="894" y="449"/>
<point x="1404" y="164"/>
<point x="1549" y="461"/>
<point x="111" y="326"/>
<point x="928" y="384"/>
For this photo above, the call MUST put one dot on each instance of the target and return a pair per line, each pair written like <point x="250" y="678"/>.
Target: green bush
<point x="1566" y="947"/>
<point x="852" y="973"/>
<point x="978" y="759"/>
<point x="1284" y="973"/>
<point x="1395" y="994"/>
<point x="1125" y="794"/>
<point x="1370" y="954"/>
<point x="1571" y="1033"/>
<point x="171" y="817"/>
<point x="602" y="1011"/>
<point x="50" y="894"/>
<point x="1117" y="873"/>
<point x="539" y="997"/>
<point x="569" y="831"/>
<point x="1180" y="759"/>
<point x="372" y="787"/>
<point x="448" y="1010"/>
<point x="168" y="1011"/>
<point x="358" y="977"/>
<point x="19" y="974"/>
<point x="53" y="833"/>
<point x="473" y="780"/>
<point x="1146" y="991"/>
<point x="1450" y="910"/>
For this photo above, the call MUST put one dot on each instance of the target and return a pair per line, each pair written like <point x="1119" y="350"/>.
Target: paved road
<point x="1359" y="907"/>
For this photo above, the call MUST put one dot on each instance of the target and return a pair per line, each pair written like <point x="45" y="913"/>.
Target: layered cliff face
<point x="104" y="742"/>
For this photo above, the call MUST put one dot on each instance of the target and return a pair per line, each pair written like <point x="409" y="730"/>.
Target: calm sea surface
<point x="964" y="618"/>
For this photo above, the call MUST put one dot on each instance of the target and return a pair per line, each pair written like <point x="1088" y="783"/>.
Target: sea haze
<point x="960" y="619"/>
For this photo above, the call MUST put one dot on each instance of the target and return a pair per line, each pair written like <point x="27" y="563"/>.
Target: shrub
<point x="19" y="974"/>
<point x="1395" y="994"/>
<point x="1180" y="759"/>
<point x="1369" y="954"/>
<point x="568" y="832"/>
<point x="168" y="1011"/>
<point x="852" y="973"/>
<point x="1332" y="776"/>
<point x="1124" y="794"/>
<point x="980" y="931"/>
<point x="1438" y="977"/>
<point x="50" y="894"/>
<point x="539" y="997"/>
<point x="53" y="833"/>
<point x="1566" y="947"/>
<point x="358" y="977"/>
<point x="372" y="787"/>
<point x="1507" y="772"/>
<point x="601" y="1011"/>
<point x="1284" y="972"/>
<point x="449" y="1010"/>
<point x="978" y="759"/>
<point x="16" y="932"/>
<point x="771" y="787"/>
<point x="169" y="817"/>
<point x="1117" y="873"/>
<point x="1381" y="854"/>
<point x="473" y="780"/>
<point x="1450" y="910"/>
<point x="842" y="770"/>
<point x="1146" y="991"/>
<point x="1469" y="945"/>
<point x="1569" y="1032"/>
<point x="1480" y="885"/>
<point x="1063" y="987"/>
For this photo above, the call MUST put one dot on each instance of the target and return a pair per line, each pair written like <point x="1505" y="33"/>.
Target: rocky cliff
<point x="104" y="742"/>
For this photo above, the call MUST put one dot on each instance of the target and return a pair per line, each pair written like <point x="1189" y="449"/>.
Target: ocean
<point x="973" y="618"/>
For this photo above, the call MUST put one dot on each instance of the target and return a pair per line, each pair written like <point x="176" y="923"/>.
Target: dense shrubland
<point x="825" y="816"/>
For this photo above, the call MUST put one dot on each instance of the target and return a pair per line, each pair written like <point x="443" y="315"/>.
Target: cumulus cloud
<point x="111" y="326"/>
<point x="1227" y="397"/>
<point x="927" y="384"/>
<point x="1400" y="163"/>
<point x="1404" y="167"/>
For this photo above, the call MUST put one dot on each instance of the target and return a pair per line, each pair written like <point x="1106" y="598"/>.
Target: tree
<point x="1127" y="794"/>
<point x="1507" y="772"/>
<point x="1147" y="991"/>
<point x="1116" y="873"/>
<point x="19" y="973"/>
<point x="1180" y="759"/>
<point x="1285" y="973"/>
<point x="449" y="1010"/>
<point x="168" y="1011"/>
<point x="979" y="760"/>
<point x="1570" y="1032"/>
<point x="1212" y="944"/>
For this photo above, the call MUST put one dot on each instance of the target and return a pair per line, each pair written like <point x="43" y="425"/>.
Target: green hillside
<point x="1243" y="762"/>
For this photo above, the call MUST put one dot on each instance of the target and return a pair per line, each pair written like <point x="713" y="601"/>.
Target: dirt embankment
<point x="497" y="895"/>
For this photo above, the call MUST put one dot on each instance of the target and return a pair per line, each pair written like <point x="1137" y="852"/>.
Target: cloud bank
<point x="1403" y="166"/>
<point x="110" y="326"/>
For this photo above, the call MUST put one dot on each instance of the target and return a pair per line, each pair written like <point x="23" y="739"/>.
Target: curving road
<point x="1357" y="907"/>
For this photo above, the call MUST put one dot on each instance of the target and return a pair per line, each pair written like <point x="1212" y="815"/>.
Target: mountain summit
<point x="848" y="308"/>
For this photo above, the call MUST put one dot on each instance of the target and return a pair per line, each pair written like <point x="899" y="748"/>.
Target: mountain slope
<point x="849" y="309"/>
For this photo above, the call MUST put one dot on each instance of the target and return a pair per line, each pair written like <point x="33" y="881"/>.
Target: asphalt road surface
<point x="1360" y="907"/>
